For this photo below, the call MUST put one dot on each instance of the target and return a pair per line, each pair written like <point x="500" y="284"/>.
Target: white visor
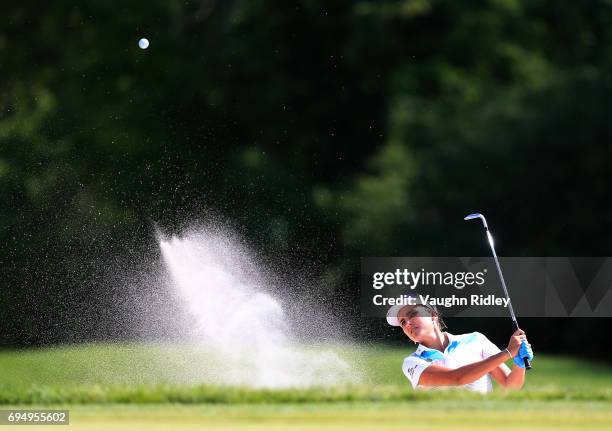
<point x="393" y="312"/>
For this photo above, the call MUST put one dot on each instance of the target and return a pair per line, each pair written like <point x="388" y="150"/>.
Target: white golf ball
<point x="143" y="43"/>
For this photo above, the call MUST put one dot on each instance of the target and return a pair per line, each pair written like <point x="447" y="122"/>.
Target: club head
<point x="477" y="215"/>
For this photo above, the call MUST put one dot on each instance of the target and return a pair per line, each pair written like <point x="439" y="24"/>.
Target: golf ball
<point x="143" y="43"/>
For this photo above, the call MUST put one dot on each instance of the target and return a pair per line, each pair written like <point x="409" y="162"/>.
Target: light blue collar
<point x="433" y="354"/>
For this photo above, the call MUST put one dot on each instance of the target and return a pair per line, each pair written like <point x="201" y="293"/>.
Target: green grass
<point x="152" y="374"/>
<point x="154" y="387"/>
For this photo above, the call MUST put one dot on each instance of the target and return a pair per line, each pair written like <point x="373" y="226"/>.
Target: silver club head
<point x="477" y="215"/>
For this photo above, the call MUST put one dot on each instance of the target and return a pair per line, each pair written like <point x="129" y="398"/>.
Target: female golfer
<point x="468" y="360"/>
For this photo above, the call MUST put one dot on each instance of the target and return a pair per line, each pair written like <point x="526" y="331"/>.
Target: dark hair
<point x="435" y="312"/>
<point x="441" y="323"/>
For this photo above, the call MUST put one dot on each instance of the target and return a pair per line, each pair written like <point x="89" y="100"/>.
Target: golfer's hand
<point x="515" y="341"/>
<point x="524" y="352"/>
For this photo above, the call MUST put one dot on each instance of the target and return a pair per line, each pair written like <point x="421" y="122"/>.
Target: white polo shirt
<point x="461" y="350"/>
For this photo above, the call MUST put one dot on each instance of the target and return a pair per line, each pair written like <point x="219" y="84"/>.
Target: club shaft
<point x="503" y="283"/>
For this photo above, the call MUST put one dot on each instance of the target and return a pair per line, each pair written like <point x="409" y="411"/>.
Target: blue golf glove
<point x="524" y="352"/>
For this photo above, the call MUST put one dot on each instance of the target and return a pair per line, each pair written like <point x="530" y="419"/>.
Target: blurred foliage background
<point x="323" y="131"/>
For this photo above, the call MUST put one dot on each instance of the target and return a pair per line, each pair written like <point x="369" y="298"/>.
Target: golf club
<point x="499" y="271"/>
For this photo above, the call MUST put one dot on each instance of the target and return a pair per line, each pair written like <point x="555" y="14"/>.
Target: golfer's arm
<point x="510" y="379"/>
<point x="435" y="375"/>
<point x="516" y="378"/>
